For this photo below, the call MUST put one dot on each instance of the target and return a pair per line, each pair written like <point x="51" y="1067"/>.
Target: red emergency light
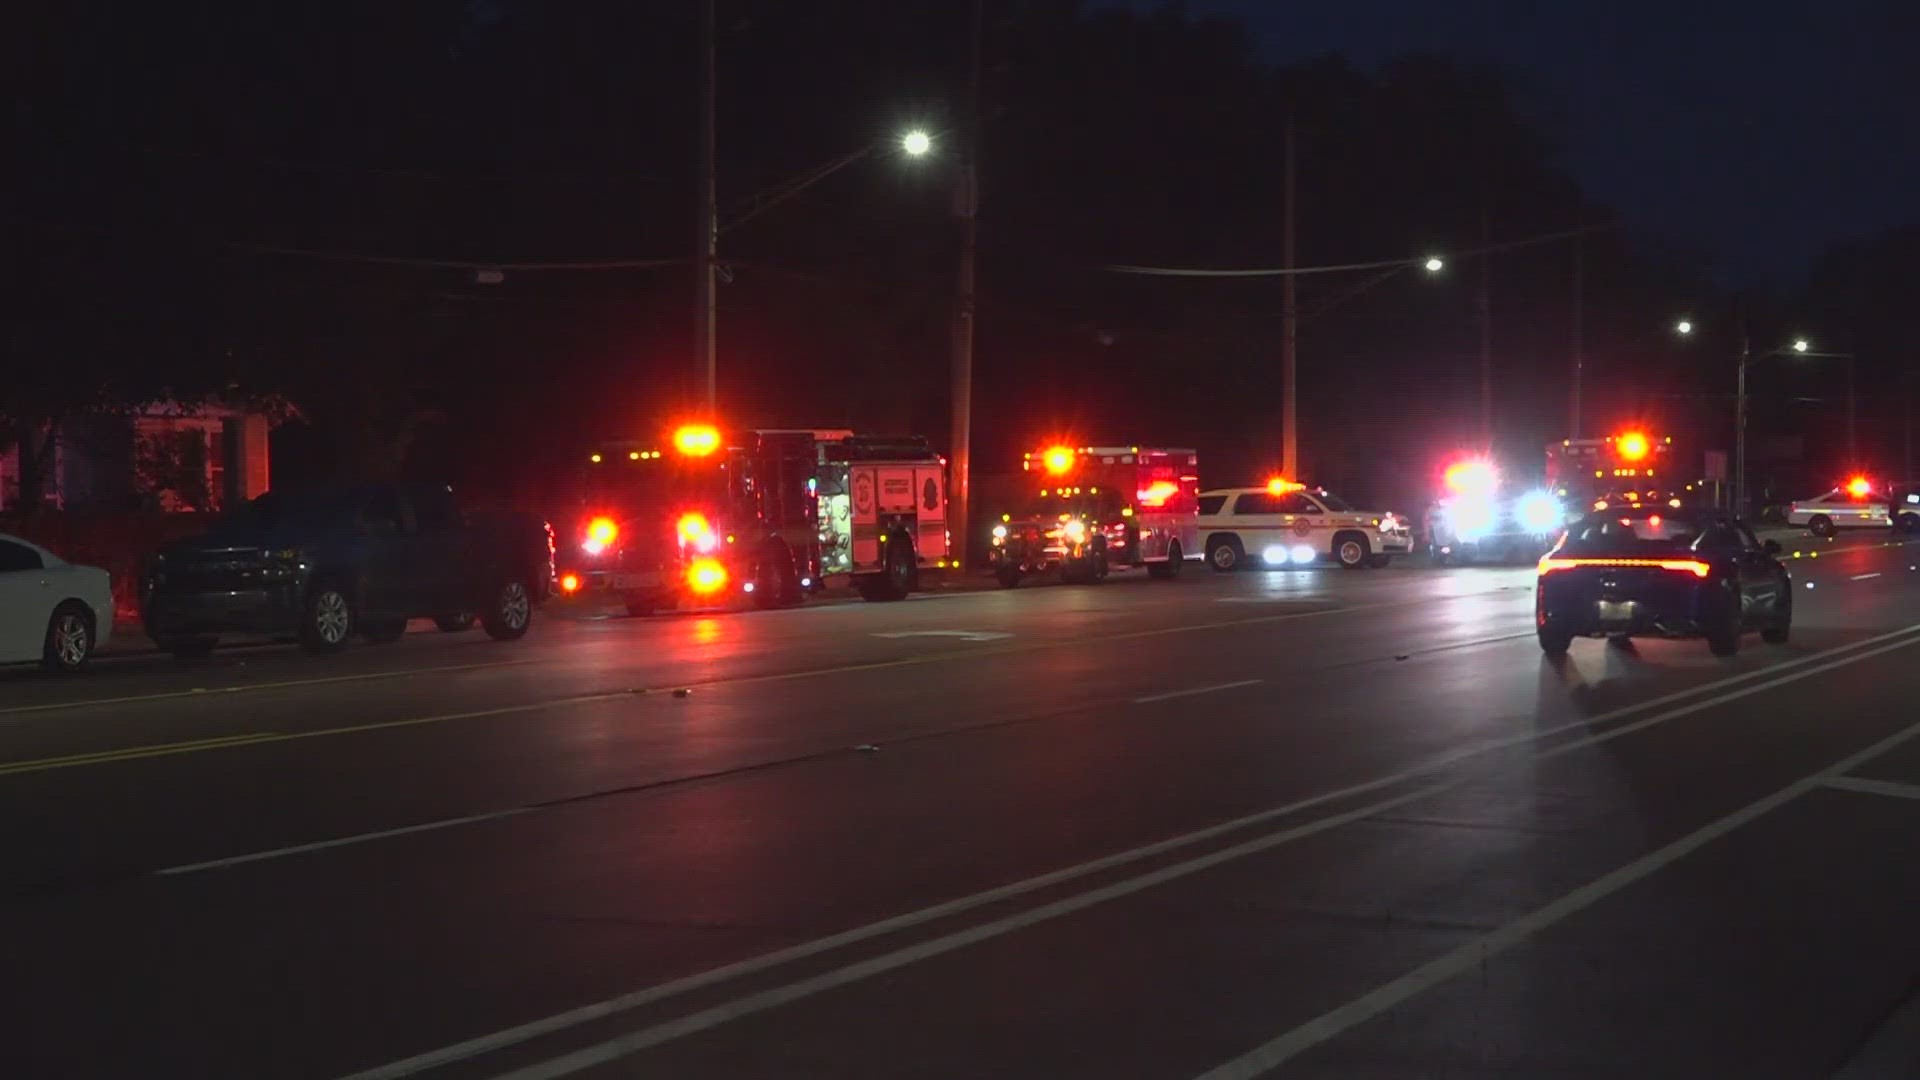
<point x="696" y="440"/>
<point x="1058" y="459"/>
<point x="1472" y="476"/>
<point x="1632" y="446"/>
<point x="1280" y="485"/>
<point x="1157" y="493"/>
<point x="1859" y="487"/>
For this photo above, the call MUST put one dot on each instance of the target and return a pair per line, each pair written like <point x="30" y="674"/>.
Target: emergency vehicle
<point x="1287" y="523"/>
<point x="1479" y="517"/>
<point x="771" y="515"/>
<point x="1098" y="507"/>
<point x="1857" y="503"/>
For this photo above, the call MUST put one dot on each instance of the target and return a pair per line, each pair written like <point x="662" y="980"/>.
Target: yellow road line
<point x="166" y="695"/>
<point x="133" y="753"/>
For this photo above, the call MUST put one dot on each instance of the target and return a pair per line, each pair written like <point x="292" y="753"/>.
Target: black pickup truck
<point x="327" y="564"/>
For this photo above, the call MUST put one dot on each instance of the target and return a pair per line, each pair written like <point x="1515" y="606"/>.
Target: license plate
<point x="1616" y="610"/>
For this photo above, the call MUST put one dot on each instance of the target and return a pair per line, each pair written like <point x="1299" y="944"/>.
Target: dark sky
<point x="1755" y="134"/>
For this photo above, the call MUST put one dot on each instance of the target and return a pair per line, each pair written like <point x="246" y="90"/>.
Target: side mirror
<point x="1772" y="547"/>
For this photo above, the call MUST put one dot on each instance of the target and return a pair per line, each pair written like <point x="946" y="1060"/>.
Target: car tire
<point x="511" y="614"/>
<point x="1820" y="525"/>
<point x="1225" y="554"/>
<point x="186" y="648"/>
<point x="383" y="631"/>
<point x="1379" y="562"/>
<point x="1171" y="568"/>
<point x="1907" y="523"/>
<point x="454" y="624"/>
<point x="326" y="621"/>
<point x="1008" y="576"/>
<point x="1352" y="551"/>
<point x="1555" y="640"/>
<point x="1780" y="626"/>
<point x="70" y="638"/>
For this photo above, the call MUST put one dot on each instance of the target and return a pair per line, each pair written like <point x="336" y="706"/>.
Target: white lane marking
<point x="1171" y="694"/>
<point x="963" y="635"/>
<point x="484" y="1044"/>
<point x="633" y="1042"/>
<point x="282" y="685"/>
<point x="343" y="841"/>
<point x="1867" y="786"/>
<point x="1474" y="954"/>
<point x="1863" y="577"/>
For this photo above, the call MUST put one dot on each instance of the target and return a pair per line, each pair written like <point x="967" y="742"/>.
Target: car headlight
<point x="999" y="532"/>
<point x="1538" y="512"/>
<point x="1075" y="531"/>
<point x="1471" y="519"/>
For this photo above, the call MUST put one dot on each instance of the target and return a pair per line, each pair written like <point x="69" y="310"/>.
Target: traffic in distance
<point x="1623" y="530"/>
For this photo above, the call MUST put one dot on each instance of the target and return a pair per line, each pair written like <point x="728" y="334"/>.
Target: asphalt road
<point x="1294" y="823"/>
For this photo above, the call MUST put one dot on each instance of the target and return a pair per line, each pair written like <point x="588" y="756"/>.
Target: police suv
<point x="1288" y="524"/>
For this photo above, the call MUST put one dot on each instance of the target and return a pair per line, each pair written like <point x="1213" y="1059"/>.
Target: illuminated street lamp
<point x="1799" y="345"/>
<point x="1684" y="327"/>
<point x="916" y="143"/>
<point x="1435" y="264"/>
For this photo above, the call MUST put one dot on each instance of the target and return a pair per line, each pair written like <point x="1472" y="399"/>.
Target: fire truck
<point x="769" y="515"/>
<point x="1098" y="507"/>
<point x="1489" y="513"/>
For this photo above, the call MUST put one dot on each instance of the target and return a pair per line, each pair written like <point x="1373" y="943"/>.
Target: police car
<point x="1858" y="504"/>
<point x="1285" y="523"/>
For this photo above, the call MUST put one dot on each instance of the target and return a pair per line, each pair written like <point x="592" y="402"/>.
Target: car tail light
<point x="1689" y="566"/>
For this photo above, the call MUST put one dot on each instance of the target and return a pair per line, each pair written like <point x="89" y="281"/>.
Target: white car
<point x="1282" y="524"/>
<point x="50" y="610"/>
<point x="1841" y="509"/>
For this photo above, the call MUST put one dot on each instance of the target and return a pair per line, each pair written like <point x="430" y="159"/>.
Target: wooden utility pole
<point x="1289" y="327"/>
<point x="965" y="303"/>
<point x="707" y="226"/>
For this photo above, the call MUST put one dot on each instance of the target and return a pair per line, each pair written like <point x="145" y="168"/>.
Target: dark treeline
<point x="174" y="161"/>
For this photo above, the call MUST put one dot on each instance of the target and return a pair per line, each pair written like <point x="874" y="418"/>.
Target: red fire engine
<point x="771" y="515"/>
<point x="1631" y="467"/>
<point x="1096" y="507"/>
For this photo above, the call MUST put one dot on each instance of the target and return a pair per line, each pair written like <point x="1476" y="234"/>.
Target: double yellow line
<point x="135" y="753"/>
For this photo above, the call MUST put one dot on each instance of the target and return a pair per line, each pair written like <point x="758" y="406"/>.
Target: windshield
<point x="1334" y="502"/>
<point x="1634" y="533"/>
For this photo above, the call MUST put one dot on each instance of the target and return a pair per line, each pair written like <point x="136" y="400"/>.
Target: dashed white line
<point x="633" y="1041"/>
<point x="343" y="841"/>
<point x="1863" y="577"/>
<point x="1474" y="954"/>
<point x="1866" y="786"/>
<point x="1171" y="694"/>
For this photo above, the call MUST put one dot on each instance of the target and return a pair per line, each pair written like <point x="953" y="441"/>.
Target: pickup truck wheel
<point x="69" y="639"/>
<point x="383" y="631"/>
<point x="454" y="624"/>
<point x="1224" y="554"/>
<point x="1352" y="551"/>
<point x="186" y="648"/>
<point x="327" y="621"/>
<point x="511" y="613"/>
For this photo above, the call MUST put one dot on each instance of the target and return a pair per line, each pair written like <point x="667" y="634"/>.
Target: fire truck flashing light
<point x="1058" y="459"/>
<point x="1632" y="446"/>
<point x="1474" y="475"/>
<point x="706" y="576"/>
<point x="696" y="440"/>
<point x="600" y="535"/>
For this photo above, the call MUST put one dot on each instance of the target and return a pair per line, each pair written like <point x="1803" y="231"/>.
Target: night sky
<point x="1754" y="135"/>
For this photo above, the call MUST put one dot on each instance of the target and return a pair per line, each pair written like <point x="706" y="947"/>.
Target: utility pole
<point x="707" y="231"/>
<point x="1579" y="344"/>
<point x="965" y="305"/>
<point x="1485" y="306"/>
<point x="1289" y="326"/>
<point x="1740" y="426"/>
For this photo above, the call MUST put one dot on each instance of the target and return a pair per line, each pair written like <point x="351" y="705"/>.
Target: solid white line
<point x="643" y="1038"/>
<point x="512" y="1036"/>
<point x="1474" y="954"/>
<point x="1863" y="577"/>
<point x="343" y="841"/>
<point x="1866" y="786"/>
<point x="1171" y="694"/>
<point x="167" y="695"/>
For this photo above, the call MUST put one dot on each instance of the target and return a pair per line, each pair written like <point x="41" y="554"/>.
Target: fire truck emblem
<point x="1302" y="527"/>
<point x="863" y="493"/>
<point x="930" y="495"/>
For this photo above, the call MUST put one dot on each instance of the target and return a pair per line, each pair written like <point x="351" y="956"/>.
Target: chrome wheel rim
<point x="514" y="606"/>
<point x="71" y="641"/>
<point x="1223" y="557"/>
<point x="331" y="618"/>
<point x="1350" y="553"/>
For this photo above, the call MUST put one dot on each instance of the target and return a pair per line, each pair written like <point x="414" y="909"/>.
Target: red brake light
<point x="570" y="583"/>
<point x="1686" y="566"/>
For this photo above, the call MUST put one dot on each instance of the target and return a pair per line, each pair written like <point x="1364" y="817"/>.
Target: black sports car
<point x="1657" y="571"/>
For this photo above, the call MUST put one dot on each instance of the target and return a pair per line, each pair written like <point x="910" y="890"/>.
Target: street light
<point x="1799" y="345"/>
<point x="916" y="143"/>
<point x="1435" y="264"/>
<point x="1685" y="327"/>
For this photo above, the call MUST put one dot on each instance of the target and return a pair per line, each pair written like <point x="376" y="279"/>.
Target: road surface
<point x="1298" y="823"/>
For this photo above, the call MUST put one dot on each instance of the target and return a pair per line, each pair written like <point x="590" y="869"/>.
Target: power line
<point x="1381" y="264"/>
